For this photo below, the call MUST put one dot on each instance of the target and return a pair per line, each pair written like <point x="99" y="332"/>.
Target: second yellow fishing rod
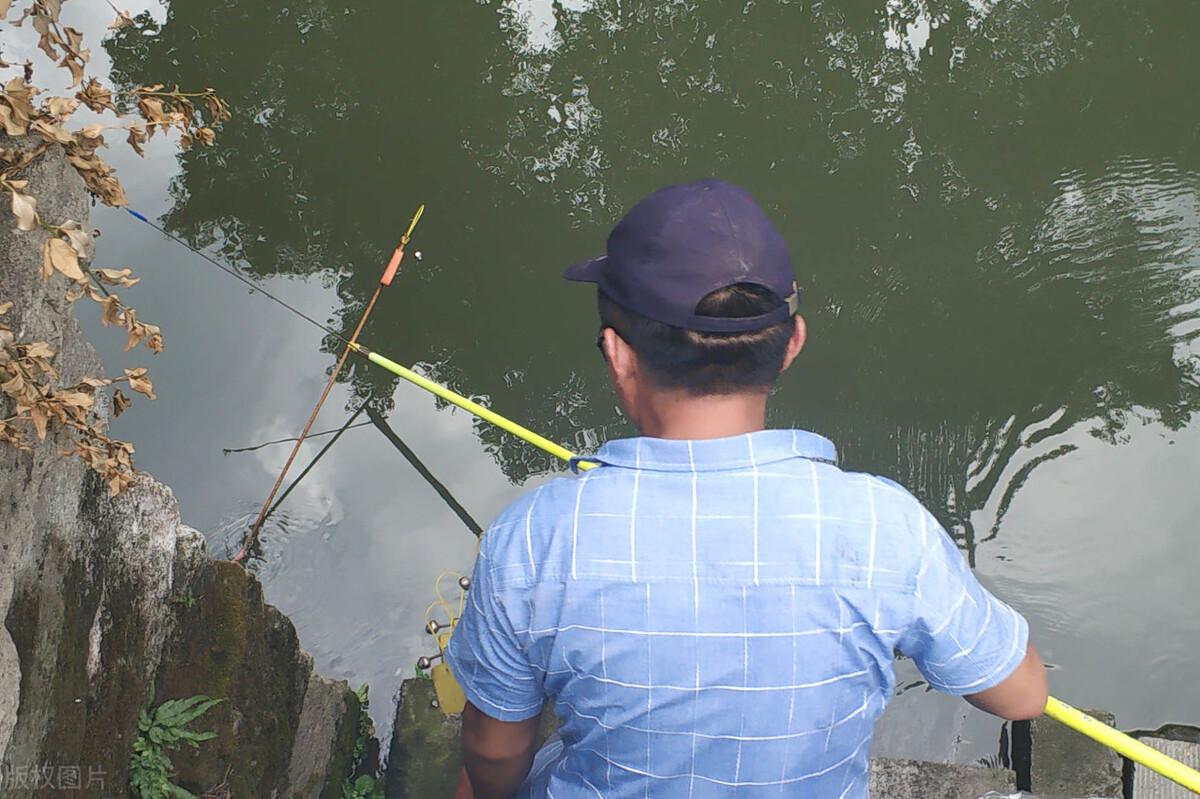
<point x="1060" y="711"/>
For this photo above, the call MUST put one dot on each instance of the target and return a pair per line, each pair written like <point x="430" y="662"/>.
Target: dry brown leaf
<point x="137" y="138"/>
<point x="53" y="132"/>
<point x="139" y="382"/>
<point x="96" y="382"/>
<point x="111" y="311"/>
<point x="92" y="131"/>
<point x="134" y="329"/>
<point x="61" y="107"/>
<point x="14" y="386"/>
<point x="39" y="417"/>
<point x="79" y="239"/>
<point x="5" y="5"/>
<point x="18" y="105"/>
<point x="217" y="108"/>
<point x="47" y="38"/>
<point x="123" y="20"/>
<point x="5" y="306"/>
<point x="140" y="331"/>
<point x="96" y="174"/>
<point x="120" y="403"/>
<point x="47" y="265"/>
<point x="13" y="125"/>
<point x="75" y="65"/>
<point x="75" y="399"/>
<point x="24" y="208"/>
<point x="62" y="257"/>
<point x="75" y="43"/>
<point x="38" y="349"/>
<point x="116" y="277"/>
<point x="96" y="97"/>
<point x="20" y="94"/>
<point x="206" y="136"/>
<point x="152" y="111"/>
<point x="154" y="341"/>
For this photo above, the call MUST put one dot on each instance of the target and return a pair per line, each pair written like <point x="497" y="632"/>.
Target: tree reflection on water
<point x="993" y="208"/>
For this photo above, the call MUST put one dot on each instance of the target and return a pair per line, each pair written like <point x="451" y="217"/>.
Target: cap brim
<point x="585" y="271"/>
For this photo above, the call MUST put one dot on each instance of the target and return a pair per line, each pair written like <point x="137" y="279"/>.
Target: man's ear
<point x="796" y="341"/>
<point x="622" y="360"/>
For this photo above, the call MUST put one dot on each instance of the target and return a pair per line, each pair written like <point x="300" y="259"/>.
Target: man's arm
<point x="965" y="641"/>
<point x="1022" y="695"/>
<point x="496" y="754"/>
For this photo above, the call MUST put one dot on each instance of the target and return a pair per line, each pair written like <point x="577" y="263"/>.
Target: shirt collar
<point x="714" y="454"/>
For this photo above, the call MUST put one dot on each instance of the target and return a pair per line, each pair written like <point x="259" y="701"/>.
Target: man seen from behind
<point x="714" y="609"/>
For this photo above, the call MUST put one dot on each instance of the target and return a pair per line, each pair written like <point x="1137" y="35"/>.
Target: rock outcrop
<point x="111" y="603"/>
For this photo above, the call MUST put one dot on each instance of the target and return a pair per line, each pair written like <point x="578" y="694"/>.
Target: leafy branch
<point x="25" y="372"/>
<point x="27" y="375"/>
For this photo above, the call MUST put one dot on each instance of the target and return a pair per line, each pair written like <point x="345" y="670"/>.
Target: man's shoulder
<point x="552" y="497"/>
<point x="528" y="519"/>
<point x="879" y="505"/>
<point x="884" y="494"/>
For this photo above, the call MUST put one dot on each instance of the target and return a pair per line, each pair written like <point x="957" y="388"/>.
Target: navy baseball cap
<point x="683" y="242"/>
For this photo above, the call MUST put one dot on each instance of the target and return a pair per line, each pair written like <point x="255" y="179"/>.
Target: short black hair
<point x="707" y="363"/>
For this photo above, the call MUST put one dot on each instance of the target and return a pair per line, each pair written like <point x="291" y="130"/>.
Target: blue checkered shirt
<point x="719" y="618"/>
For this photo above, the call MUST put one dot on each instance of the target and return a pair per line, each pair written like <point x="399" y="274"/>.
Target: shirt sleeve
<point x="963" y="639"/>
<point x="486" y="656"/>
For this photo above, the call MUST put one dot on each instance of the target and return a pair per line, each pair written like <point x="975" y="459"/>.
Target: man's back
<point x="719" y="617"/>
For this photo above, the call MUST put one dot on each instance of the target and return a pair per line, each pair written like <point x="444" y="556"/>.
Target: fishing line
<point x="311" y="464"/>
<point x="311" y="436"/>
<point x="234" y="273"/>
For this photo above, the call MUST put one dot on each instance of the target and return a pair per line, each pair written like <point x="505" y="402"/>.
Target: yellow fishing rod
<point x="473" y="408"/>
<point x="1060" y="711"/>
<point x="1124" y="744"/>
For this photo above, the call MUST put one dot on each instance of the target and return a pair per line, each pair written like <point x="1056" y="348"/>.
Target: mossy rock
<point x="230" y="645"/>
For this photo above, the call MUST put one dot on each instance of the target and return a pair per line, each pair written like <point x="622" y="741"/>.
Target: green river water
<point x="994" y="209"/>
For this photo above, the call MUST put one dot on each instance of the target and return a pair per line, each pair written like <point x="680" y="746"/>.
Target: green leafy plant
<point x="365" y="786"/>
<point x="151" y="773"/>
